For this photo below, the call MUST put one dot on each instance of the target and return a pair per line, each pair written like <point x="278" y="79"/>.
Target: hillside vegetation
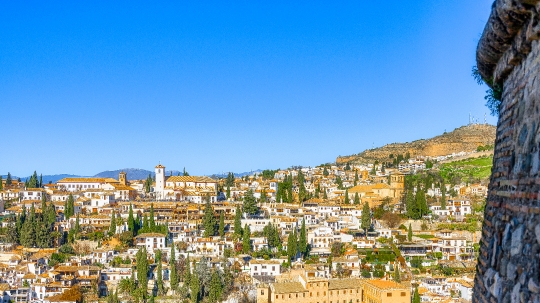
<point x="466" y="138"/>
<point x="473" y="169"/>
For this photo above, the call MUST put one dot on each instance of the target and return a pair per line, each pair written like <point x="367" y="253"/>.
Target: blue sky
<point x="231" y="85"/>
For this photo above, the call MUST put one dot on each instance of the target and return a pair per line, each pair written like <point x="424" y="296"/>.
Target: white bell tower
<point x="160" y="179"/>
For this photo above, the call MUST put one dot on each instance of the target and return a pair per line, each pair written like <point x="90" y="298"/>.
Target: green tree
<point x="302" y="242"/>
<point x="209" y="221"/>
<point x="421" y="203"/>
<point x="292" y="246"/>
<point x="409" y="233"/>
<point x="194" y="286"/>
<point x="1" y="183"/>
<point x="69" y="207"/>
<point x="272" y="235"/>
<point x="216" y="288"/>
<point x="228" y="191"/>
<point x="173" y="276"/>
<point x="185" y="173"/>
<point x="159" y="282"/>
<point x="246" y="240"/>
<point x="347" y="197"/>
<point x="397" y="276"/>
<point x="151" y="221"/>
<point x="443" y="196"/>
<point x="250" y="205"/>
<point x="187" y="272"/>
<point x="112" y="227"/>
<point x="325" y="172"/>
<point x="221" y="224"/>
<point x="12" y="233"/>
<point x="416" y="296"/>
<point x="131" y="220"/>
<point x="142" y="270"/>
<point x="356" y="199"/>
<point x="238" y="222"/>
<point x="366" y="217"/>
<point x="9" y="181"/>
<point x="356" y="179"/>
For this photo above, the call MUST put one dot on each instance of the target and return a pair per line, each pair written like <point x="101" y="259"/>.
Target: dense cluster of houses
<point x="31" y="274"/>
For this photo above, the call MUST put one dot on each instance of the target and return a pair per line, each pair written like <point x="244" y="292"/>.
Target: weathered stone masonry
<point x="509" y="54"/>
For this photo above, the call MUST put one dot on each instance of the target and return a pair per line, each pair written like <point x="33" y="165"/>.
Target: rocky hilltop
<point x="466" y="138"/>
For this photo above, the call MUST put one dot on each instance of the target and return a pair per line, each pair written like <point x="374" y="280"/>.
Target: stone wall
<point x="509" y="54"/>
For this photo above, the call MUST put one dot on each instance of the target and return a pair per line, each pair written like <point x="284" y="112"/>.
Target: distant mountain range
<point x="466" y="138"/>
<point x="132" y="174"/>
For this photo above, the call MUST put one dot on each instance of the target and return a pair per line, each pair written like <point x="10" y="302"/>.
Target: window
<point x="388" y="294"/>
<point x="262" y="291"/>
<point x="403" y="294"/>
<point x="277" y="296"/>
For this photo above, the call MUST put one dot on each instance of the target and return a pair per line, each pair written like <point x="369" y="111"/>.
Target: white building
<point x="259" y="267"/>
<point x="151" y="241"/>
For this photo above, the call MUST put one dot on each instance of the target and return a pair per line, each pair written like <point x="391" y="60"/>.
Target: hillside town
<point x="391" y="231"/>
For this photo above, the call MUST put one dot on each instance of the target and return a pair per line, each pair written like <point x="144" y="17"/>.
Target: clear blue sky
<point x="93" y="86"/>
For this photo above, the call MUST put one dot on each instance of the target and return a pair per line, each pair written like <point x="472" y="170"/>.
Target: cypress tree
<point x="160" y="289"/>
<point x="69" y="207"/>
<point x="397" y="276"/>
<point x="40" y="180"/>
<point x="366" y="217"/>
<point x="325" y="196"/>
<point x="195" y="287"/>
<point x="409" y="233"/>
<point x="421" y="203"/>
<point x="347" y="197"/>
<point x="443" y="197"/>
<point x="112" y="227"/>
<point x="246" y="240"/>
<point x="9" y="181"/>
<point x="238" y="222"/>
<point x="173" y="277"/>
<point x="228" y="191"/>
<point x="142" y="270"/>
<point x="291" y="246"/>
<point x="43" y="203"/>
<point x="187" y="272"/>
<point x="221" y="224"/>
<point x="416" y="296"/>
<point x="152" y="223"/>
<point x="1" y="183"/>
<point x="145" y="225"/>
<point x="303" y="245"/>
<point x="77" y="228"/>
<point x="356" y="199"/>
<point x="131" y="220"/>
<point x="209" y="221"/>
<point x="216" y="288"/>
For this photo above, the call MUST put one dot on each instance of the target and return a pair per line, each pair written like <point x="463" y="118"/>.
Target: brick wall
<point x="509" y="53"/>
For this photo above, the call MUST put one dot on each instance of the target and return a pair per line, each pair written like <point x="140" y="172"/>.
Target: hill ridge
<point x="465" y="138"/>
